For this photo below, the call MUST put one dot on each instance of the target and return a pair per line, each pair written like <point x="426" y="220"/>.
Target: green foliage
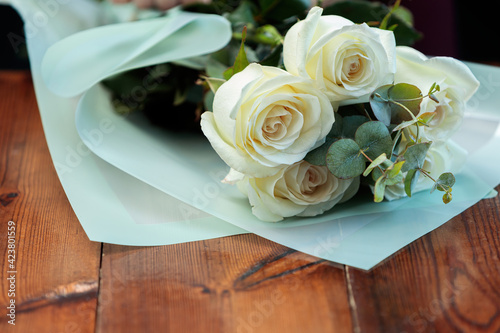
<point x="351" y="125"/>
<point x="344" y="159"/>
<point x="241" y="61"/>
<point x="360" y="11"/>
<point x="444" y="183"/>
<point x="396" y="103"/>
<point x="415" y="156"/>
<point x="411" y="180"/>
<point x="375" y="163"/>
<point x="374" y="139"/>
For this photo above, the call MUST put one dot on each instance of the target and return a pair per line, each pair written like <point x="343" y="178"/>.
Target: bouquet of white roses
<point x="304" y="119"/>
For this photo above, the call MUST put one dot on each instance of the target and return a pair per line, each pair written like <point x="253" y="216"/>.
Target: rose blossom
<point x="265" y="118"/>
<point x="300" y="189"/>
<point x="347" y="61"/>
<point x="456" y="81"/>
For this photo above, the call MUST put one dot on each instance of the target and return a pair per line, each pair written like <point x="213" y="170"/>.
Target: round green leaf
<point x="374" y="139"/>
<point x="409" y="96"/>
<point x="445" y="181"/>
<point x="344" y="159"/>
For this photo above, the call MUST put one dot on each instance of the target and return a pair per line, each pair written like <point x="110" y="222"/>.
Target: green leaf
<point x="379" y="102"/>
<point x="376" y="162"/>
<point x="394" y="104"/>
<point x="241" y="61"/>
<point x="415" y="156"/>
<point x="394" y="170"/>
<point x="383" y="24"/>
<point x="360" y="11"/>
<point x="404" y="14"/>
<point x="379" y="189"/>
<point x="409" y="96"/>
<point x="411" y="180"/>
<point x="447" y="197"/>
<point x="351" y="125"/>
<point x="374" y="139"/>
<point x="344" y="159"/>
<point x="243" y="15"/>
<point x="395" y="180"/>
<point x="444" y="183"/>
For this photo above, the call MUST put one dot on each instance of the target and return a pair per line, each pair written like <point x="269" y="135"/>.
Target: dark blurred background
<point x="466" y="30"/>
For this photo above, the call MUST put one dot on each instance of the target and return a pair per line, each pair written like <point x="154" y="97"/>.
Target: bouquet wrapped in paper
<point x="218" y="118"/>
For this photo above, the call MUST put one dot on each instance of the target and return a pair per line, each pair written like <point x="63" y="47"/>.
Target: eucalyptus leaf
<point x="379" y="189"/>
<point x="444" y="183"/>
<point x="394" y="180"/>
<point x="411" y="180"/>
<point x="394" y="170"/>
<point x="447" y="197"/>
<point x="344" y="159"/>
<point x="415" y="156"/>
<point x="408" y="95"/>
<point x="376" y="162"/>
<point x="379" y="102"/>
<point x="395" y="104"/>
<point x="374" y="139"/>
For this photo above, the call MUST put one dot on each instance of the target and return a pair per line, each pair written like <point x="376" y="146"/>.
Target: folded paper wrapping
<point x="112" y="206"/>
<point x="163" y="166"/>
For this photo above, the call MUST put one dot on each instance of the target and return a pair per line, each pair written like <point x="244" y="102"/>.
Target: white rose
<point x="456" y="81"/>
<point x="347" y="61"/>
<point x="301" y="189"/>
<point x="265" y="118"/>
<point x="441" y="157"/>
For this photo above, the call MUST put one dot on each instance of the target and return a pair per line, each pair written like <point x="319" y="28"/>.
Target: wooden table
<point x="446" y="281"/>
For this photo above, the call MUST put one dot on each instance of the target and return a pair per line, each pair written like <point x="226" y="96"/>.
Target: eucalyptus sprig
<point x="385" y="147"/>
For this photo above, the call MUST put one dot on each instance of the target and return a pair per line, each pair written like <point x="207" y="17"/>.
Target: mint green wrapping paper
<point x="123" y="157"/>
<point x="111" y="205"/>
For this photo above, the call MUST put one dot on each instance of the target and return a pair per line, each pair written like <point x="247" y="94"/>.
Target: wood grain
<point x="446" y="281"/>
<point x="57" y="266"/>
<point x="234" y="284"/>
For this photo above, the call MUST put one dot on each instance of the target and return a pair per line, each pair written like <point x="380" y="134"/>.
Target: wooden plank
<point x="57" y="267"/>
<point x="235" y="284"/>
<point x="446" y="281"/>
